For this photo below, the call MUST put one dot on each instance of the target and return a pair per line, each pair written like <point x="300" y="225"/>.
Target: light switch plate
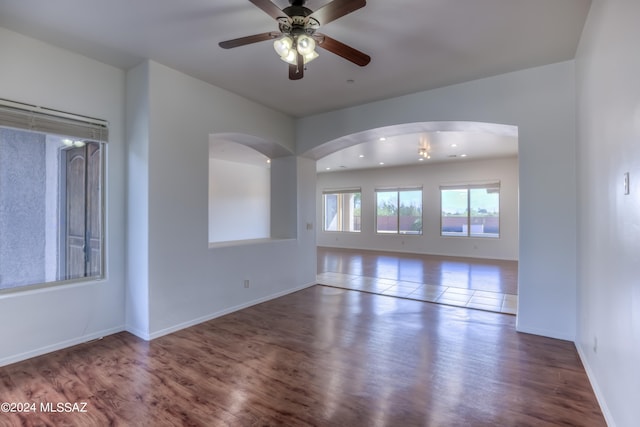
<point x="626" y="183"/>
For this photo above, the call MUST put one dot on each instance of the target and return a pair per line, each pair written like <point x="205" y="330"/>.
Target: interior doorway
<point x="482" y="284"/>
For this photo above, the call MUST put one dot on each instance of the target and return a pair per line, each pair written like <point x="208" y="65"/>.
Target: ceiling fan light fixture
<point x="283" y="46"/>
<point x="291" y="57"/>
<point x="297" y="39"/>
<point x="305" y="44"/>
<point x="310" y="56"/>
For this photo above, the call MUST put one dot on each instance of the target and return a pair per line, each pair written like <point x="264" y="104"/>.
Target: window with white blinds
<point x="51" y="200"/>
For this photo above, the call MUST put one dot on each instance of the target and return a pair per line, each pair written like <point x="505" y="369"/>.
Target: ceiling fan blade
<point x="341" y="49"/>
<point x="296" y="71"/>
<point x="228" y="44"/>
<point x="271" y="9"/>
<point x="336" y="9"/>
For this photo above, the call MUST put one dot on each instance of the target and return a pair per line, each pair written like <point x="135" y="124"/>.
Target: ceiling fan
<point x="298" y="36"/>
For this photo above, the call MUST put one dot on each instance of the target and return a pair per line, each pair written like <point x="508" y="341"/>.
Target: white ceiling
<point x="442" y="141"/>
<point x="414" y="44"/>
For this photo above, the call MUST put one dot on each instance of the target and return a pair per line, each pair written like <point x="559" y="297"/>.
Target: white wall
<point x="137" y="132"/>
<point x="188" y="282"/>
<point x="541" y="103"/>
<point x="38" y="321"/>
<point x="239" y="201"/>
<point x="183" y="282"/>
<point x="430" y="177"/>
<point x="608" y="73"/>
<point x="171" y="278"/>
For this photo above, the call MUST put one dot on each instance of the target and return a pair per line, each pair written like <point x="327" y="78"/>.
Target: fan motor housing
<point x="298" y="24"/>
<point x="297" y="11"/>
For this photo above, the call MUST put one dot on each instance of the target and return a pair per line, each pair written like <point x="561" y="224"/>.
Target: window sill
<point x="230" y="243"/>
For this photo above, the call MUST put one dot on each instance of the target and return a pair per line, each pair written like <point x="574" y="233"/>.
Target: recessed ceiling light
<point x="381" y="163"/>
<point x="454" y="145"/>
<point x="421" y="159"/>
<point x="268" y="160"/>
<point x="382" y="138"/>
<point x="463" y="155"/>
<point x="328" y="169"/>
<point x="361" y="155"/>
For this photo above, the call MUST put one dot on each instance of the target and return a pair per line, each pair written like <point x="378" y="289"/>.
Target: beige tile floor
<point x="460" y="297"/>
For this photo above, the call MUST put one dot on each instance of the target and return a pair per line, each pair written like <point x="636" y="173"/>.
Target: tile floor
<point x="449" y="295"/>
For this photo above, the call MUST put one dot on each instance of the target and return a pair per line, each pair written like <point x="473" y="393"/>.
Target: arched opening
<point x="438" y="161"/>
<point x="240" y="187"/>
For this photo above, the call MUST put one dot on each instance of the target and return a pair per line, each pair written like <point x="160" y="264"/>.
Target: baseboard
<point x="543" y="332"/>
<point x="401" y="251"/>
<point x="59" y="346"/>
<point x="141" y="334"/>
<point x="220" y="313"/>
<point x="596" y="388"/>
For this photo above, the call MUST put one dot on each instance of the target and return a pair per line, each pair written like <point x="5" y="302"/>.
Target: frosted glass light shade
<point x="283" y="46"/>
<point x="305" y="45"/>
<point x="291" y="58"/>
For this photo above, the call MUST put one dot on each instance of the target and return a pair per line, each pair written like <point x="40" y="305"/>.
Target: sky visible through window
<point x="454" y="201"/>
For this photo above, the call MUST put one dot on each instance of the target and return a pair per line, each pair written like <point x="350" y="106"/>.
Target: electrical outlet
<point x="246" y="283"/>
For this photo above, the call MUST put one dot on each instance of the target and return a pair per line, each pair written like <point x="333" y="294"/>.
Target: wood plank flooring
<point x="318" y="357"/>
<point x="436" y="270"/>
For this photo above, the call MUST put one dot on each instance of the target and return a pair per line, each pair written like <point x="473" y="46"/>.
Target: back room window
<point x="341" y="210"/>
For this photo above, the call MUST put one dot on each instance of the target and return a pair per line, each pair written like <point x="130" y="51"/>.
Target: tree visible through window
<point x="399" y="211"/>
<point x="470" y="210"/>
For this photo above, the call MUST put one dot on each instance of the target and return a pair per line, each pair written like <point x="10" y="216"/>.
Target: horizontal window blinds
<point x="37" y="119"/>
<point x="385" y="189"/>
<point x="341" y="191"/>
<point x="488" y="185"/>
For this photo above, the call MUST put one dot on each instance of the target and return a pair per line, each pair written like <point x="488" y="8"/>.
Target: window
<point x="470" y="210"/>
<point x="51" y="214"/>
<point x="341" y="210"/>
<point x="399" y="211"/>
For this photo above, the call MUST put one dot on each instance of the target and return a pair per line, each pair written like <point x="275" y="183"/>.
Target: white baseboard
<point x="596" y="388"/>
<point x="220" y="313"/>
<point x="141" y="334"/>
<point x="543" y="332"/>
<point x="58" y="346"/>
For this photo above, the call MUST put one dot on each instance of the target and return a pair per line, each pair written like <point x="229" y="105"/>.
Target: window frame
<point x="495" y="185"/>
<point x="340" y="213"/>
<point x="65" y="128"/>
<point x="398" y="191"/>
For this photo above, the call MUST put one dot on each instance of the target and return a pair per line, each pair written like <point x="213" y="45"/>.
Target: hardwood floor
<point x="469" y="273"/>
<point x="318" y="357"/>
